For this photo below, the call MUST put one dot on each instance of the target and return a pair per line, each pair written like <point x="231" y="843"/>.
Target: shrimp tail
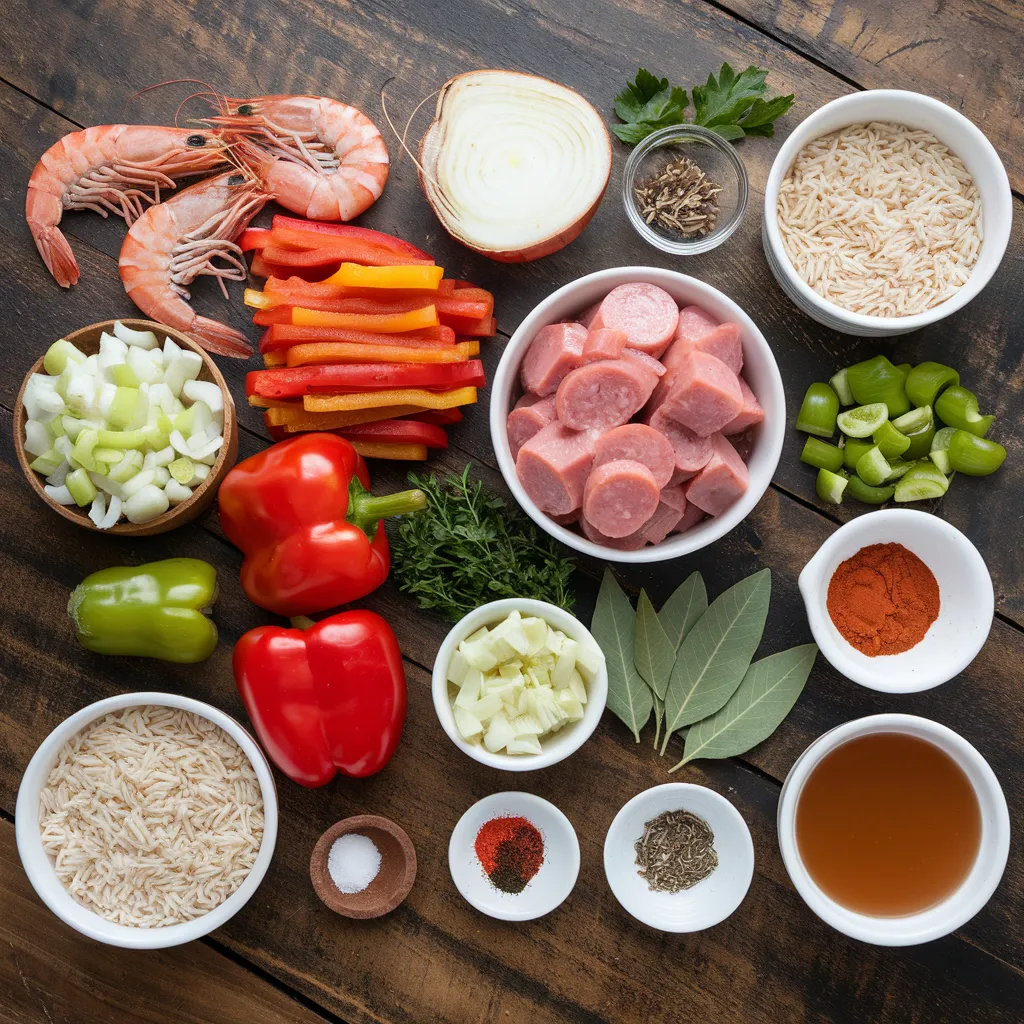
<point x="219" y="338"/>
<point x="58" y="257"/>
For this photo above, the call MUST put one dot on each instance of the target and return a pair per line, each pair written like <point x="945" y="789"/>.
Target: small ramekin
<point x="716" y="157"/>
<point x="966" y="601"/>
<point x="39" y="867"/>
<point x="955" y="910"/>
<point x="556" y="747"/>
<point x="963" y="137"/>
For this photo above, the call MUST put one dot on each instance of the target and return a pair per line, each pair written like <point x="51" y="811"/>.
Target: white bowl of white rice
<point x="147" y="820"/>
<point x="885" y="211"/>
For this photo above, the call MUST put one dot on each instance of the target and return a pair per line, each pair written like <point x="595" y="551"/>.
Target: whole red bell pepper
<point x="312" y="534"/>
<point x="327" y="699"/>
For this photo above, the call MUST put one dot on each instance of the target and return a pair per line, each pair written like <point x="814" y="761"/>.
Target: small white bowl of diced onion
<point x="126" y="426"/>
<point x="519" y="684"/>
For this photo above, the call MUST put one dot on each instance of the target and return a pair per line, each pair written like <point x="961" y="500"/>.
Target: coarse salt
<point x="353" y="862"/>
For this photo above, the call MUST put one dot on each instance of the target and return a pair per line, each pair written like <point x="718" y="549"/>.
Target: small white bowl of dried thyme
<point x="679" y="857"/>
<point x="684" y="189"/>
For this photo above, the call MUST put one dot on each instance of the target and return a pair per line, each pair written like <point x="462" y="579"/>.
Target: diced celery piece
<point x="107" y="456"/>
<point x="128" y="467"/>
<point x="59" y="354"/>
<point x="82" y="489"/>
<point x="124" y="376"/>
<point x="82" y="451"/>
<point x="47" y="463"/>
<point x="124" y="407"/>
<point x="123" y="439"/>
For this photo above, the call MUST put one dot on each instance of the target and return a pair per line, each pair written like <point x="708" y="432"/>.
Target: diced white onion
<point x="164" y="457"/>
<point x="113" y="513"/>
<point x="186" y="366"/>
<point x="98" y="509"/>
<point x="61" y="495"/>
<point x="56" y="478"/>
<point x="146" y="504"/>
<point x="137" y="482"/>
<point x="201" y="471"/>
<point x="141" y="339"/>
<point x="205" y="391"/>
<point x="37" y="437"/>
<point x="204" y="449"/>
<point x="177" y="493"/>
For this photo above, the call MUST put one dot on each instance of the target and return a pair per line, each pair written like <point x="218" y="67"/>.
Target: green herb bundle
<point x="733" y="105"/>
<point x="690" y="666"/>
<point x="467" y="548"/>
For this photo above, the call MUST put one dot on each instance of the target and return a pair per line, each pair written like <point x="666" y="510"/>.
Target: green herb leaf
<point x="765" y="697"/>
<point x="686" y="605"/>
<point x="614" y="626"/>
<point x="724" y="100"/>
<point x="467" y="548"/>
<point x="653" y="652"/>
<point x="659" y="717"/>
<point x="647" y="104"/>
<point x="760" y="118"/>
<point x="716" y="653"/>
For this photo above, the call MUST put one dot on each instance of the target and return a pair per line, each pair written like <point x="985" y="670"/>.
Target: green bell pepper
<point x="159" y="610"/>
<point x="877" y="380"/>
<point x="818" y="411"/>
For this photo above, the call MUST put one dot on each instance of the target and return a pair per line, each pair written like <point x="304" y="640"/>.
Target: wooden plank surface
<point x="435" y="959"/>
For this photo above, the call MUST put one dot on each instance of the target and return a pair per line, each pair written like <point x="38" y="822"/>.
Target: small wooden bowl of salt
<point x="363" y="867"/>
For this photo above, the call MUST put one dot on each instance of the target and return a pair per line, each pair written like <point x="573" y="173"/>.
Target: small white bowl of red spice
<point x="514" y="856"/>
<point x="898" y="600"/>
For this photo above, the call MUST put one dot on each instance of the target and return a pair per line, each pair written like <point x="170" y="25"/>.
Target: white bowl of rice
<point x="146" y="820"/>
<point x="885" y="211"/>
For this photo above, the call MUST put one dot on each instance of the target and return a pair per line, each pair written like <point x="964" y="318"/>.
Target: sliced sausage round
<point x="531" y="414"/>
<point x="633" y="542"/>
<point x="603" y="343"/>
<point x="641" y="443"/>
<point x="620" y="497"/>
<point x="602" y="395"/>
<point x="554" y="351"/>
<point x="692" y="451"/>
<point x="645" y="313"/>
<point x="553" y="466"/>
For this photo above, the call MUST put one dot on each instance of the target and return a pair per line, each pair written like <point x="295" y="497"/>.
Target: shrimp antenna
<point x="219" y="100"/>
<point x="408" y="124"/>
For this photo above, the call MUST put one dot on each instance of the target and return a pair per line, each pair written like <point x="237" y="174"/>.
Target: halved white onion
<point x="514" y="165"/>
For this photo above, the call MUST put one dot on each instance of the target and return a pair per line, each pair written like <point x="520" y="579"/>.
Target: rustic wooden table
<point x="70" y="64"/>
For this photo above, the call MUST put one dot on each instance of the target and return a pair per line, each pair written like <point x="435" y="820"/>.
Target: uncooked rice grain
<point x="152" y="816"/>
<point x="880" y="219"/>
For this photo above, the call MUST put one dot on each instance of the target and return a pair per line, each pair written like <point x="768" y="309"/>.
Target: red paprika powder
<point x="511" y="851"/>
<point x="883" y="599"/>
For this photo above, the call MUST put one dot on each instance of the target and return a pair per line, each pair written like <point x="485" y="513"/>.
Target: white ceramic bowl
<point x="966" y="601"/>
<point x="547" y="889"/>
<point x="976" y="889"/>
<point x="556" y="747"/>
<point x="710" y="901"/>
<point x="759" y="369"/>
<point x="39" y="867"/>
<point x="963" y="137"/>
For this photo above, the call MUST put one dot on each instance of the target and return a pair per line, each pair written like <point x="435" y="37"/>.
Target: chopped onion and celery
<point x="128" y="431"/>
<point x="513" y="683"/>
<point x="909" y="429"/>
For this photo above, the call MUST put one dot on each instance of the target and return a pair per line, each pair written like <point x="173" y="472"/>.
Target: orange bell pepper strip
<point x="385" y="323"/>
<point x="398" y="452"/>
<point x="295" y="418"/>
<point x="416" y="278"/>
<point x="338" y="352"/>
<point x="400" y="396"/>
<point x="259" y="402"/>
<point x="286" y="335"/>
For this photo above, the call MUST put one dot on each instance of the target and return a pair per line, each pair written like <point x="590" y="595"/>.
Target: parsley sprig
<point x="467" y="548"/>
<point x="733" y="105"/>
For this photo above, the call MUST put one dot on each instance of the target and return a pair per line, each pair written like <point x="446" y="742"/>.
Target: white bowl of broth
<point x="894" y="829"/>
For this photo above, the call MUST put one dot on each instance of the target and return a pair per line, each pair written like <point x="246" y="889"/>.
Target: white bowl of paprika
<point x="898" y="600"/>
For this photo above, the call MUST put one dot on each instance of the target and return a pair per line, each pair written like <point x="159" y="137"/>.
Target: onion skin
<point x="544" y="247"/>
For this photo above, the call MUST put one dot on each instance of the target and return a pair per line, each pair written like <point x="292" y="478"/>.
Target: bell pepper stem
<point x="365" y="509"/>
<point x="301" y="622"/>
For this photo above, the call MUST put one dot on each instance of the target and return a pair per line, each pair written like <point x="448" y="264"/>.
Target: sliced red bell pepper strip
<point x="408" y="431"/>
<point x="286" y="335"/>
<point x="334" y="352"/>
<point x="346" y="248"/>
<point x="344" y="378"/>
<point x="253" y="238"/>
<point x="442" y="417"/>
<point x="327" y="699"/>
<point x="398" y="452"/>
<point x="486" y="327"/>
<point x="378" y="399"/>
<point x="398" y="245"/>
<point x="277" y="315"/>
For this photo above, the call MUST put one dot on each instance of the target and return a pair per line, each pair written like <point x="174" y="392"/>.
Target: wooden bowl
<point x="87" y="340"/>
<point x="393" y="882"/>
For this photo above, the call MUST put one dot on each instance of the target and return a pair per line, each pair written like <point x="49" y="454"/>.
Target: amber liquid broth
<point x="888" y="824"/>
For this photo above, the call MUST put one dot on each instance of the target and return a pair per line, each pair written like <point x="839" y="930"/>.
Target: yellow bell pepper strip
<point x="382" y="323"/>
<point x="397" y="452"/>
<point x="339" y="352"/>
<point x="295" y="419"/>
<point x="415" y="278"/>
<point x="379" y="399"/>
<point x="274" y="360"/>
<point x="259" y="402"/>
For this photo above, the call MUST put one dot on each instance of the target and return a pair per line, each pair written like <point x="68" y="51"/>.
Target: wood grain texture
<point x="50" y="974"/>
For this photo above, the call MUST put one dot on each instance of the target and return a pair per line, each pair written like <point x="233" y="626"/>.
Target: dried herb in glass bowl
<point x="680" y="199"/>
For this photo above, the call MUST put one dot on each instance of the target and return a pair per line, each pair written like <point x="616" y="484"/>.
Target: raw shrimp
<point x="114" y="168"/>
<point x="330" y="163"/>
<point x="172" y="244"/>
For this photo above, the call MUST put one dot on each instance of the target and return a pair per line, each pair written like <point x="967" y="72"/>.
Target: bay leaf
<point x="659" y="717"/>
<point x="653" y="652"/>
<point x="686" y="605"/>
<point x="716" y="653"/>
<point x="764" y="698"/>
<point x="614" y="628"/>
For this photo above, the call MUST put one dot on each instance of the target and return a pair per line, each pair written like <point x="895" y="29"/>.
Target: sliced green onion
<point x="818" y="411"/>
<point x="974" y="455"/>
<point x="817" y="453"/>
<point x="891" y="442"/>
<point x="958" y="407"/>
<point x="853" y="450"/>
<point x="864" y="420"/>
<point x="830" y="486"/>
<point x="939" y="449"/>
<point x="922" y="483"/>
<point x="877" y="380"/>
<point x="873" y="468"/>
<point x="82" y="489"/>
<point x="926" y="380"/>
<point x="860" y="491"/>
<point x="841" y="386"/>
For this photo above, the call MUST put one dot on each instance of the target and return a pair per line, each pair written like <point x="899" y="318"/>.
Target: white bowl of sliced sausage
<point x="637" y="414"/>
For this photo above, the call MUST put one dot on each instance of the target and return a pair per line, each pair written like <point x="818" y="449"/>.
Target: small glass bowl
<point x="719" y="161"/>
